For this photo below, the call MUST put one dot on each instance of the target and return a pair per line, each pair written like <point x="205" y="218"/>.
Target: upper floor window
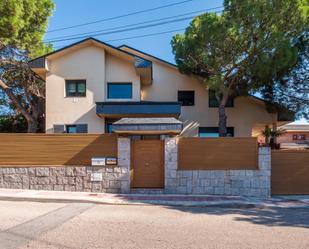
<point x="75" y="88"/>
<point x="186" y="98"/>
<point x="213" y="102"/>
<point x="214" y="132"/>
<point x="119" y="90"/>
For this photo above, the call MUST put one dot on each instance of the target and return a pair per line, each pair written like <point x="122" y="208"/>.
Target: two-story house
<point x="91" y="84"/>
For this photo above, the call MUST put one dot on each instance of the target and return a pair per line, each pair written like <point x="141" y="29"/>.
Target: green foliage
<point x="251" y="41"/>
<point x="23" y="24"/>
<point x="22" y="27"/>
<point x="245" y="47"/>
<point x="10" y="124"/>
<point x="267" y="132"/>
<point x="291" y="88"/>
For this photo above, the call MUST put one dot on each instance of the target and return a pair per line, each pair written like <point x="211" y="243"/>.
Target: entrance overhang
<point x="142" y="126"/>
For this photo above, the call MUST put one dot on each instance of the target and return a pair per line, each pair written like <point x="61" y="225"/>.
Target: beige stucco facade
<point x="99" y="65"/>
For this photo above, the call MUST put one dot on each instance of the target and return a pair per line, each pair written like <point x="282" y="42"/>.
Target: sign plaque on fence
<point x="111" y="161"/>
<point x="98" y="161"/>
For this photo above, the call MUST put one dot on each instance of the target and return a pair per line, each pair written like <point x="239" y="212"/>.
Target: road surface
<point x="82" y="225"/>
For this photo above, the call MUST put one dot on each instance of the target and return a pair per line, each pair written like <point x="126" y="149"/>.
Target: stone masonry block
<point x="58" y="187"/>
<point x="21" y="171"/>
<point x="57" y="171"/>
<point x="81" y="171"/>
<point x="70" y="171"/>
<point x="42" y="171"/>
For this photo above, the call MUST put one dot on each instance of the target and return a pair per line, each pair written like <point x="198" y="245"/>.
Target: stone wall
<point x="218" y="182"/>
<point x="109" y="179"/>
<point x="63" y="178"/>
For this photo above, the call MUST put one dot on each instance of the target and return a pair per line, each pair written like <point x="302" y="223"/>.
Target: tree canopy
<point x="23" y="24"/>
<point x="243" y="49"/>
<point x="22" y="28"/>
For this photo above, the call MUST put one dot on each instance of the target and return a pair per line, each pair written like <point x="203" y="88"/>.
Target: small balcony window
<point x="75" y="88"/>
<point x="119" y="90"/>
<point x="186" y="98"/>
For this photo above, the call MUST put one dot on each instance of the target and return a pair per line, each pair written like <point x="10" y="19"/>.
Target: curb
<point x="210" y="204"/>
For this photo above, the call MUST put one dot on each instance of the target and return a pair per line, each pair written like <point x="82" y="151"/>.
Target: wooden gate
<point x="147" y="164"/>
<point x="290" y="172"/>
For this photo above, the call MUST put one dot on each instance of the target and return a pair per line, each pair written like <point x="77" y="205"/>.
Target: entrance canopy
<point x="147" y="126"/>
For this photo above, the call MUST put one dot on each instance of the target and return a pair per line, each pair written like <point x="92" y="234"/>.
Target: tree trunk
<point x="222" y="121"/>
<point x="222" y="115"/>
<point x="32" y="125"/>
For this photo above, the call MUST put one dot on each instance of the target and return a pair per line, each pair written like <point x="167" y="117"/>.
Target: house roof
<point x="37" y="61"/>
<point x="297" y="126"/>
<point x="146" y="54"/>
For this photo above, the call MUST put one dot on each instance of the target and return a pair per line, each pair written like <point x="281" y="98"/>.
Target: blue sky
<point x="72" y="12"/>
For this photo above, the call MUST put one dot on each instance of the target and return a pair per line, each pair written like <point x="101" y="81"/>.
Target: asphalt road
<point x="81" y="225"/>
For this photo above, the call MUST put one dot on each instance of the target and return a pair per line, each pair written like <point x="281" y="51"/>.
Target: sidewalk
<point x="142" y="199"/>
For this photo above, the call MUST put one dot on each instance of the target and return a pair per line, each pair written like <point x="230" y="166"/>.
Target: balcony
<point x="138" y="109"/>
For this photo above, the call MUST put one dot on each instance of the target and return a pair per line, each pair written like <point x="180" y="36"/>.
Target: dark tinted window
<point x="75" y="88"/>
<point x="119" y="90"/>
<point x="78" y="128"/>
<point x="108" y="124"/>
<point x="214" y="132"/>
<point x="213" y="102"/>
<point x="186" y="98"/>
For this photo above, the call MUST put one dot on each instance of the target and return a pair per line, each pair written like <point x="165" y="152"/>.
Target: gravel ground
<point x="81" y="225"/>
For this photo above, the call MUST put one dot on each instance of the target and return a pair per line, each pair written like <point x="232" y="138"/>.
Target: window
<point x="186" y="98"/>
<point x="213" y="102"/>
<point x="214" y="132"/>
<point x="299" y="137"/>
<point x="75" y="88"/>
<point x="108" y="124"/>
<point x="78" y="128"/>
<point x="119" y="90"/>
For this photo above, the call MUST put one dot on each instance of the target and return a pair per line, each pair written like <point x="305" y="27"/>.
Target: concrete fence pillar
<point x="124" y="162"/>
<point x="264" y="159"/>
<point x="171" y="164"/>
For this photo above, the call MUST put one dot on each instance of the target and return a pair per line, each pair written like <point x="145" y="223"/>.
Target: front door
<point x="147" y="164"/>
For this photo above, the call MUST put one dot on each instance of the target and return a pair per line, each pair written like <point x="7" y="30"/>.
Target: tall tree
<point x="291" y="88"/>
<point x="22" y="28"/>
<point x="241" y="50"/>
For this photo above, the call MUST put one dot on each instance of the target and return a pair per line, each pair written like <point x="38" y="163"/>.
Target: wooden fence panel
<point x="55" y="149"/>
<point x="290" y="172"/>
<point x="217" y="153"/>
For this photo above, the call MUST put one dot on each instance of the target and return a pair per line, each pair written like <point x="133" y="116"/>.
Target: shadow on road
<point x="267" y="216"/>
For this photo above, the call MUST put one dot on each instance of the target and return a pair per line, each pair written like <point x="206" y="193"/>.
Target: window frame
<point x="118" y="83"/>
<point x="188" y="102"/>
<point x="215" y="130"/>
<point x="67" y="127"/>
<point x="76" y="82"/>
<point x="77" y="127"/>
